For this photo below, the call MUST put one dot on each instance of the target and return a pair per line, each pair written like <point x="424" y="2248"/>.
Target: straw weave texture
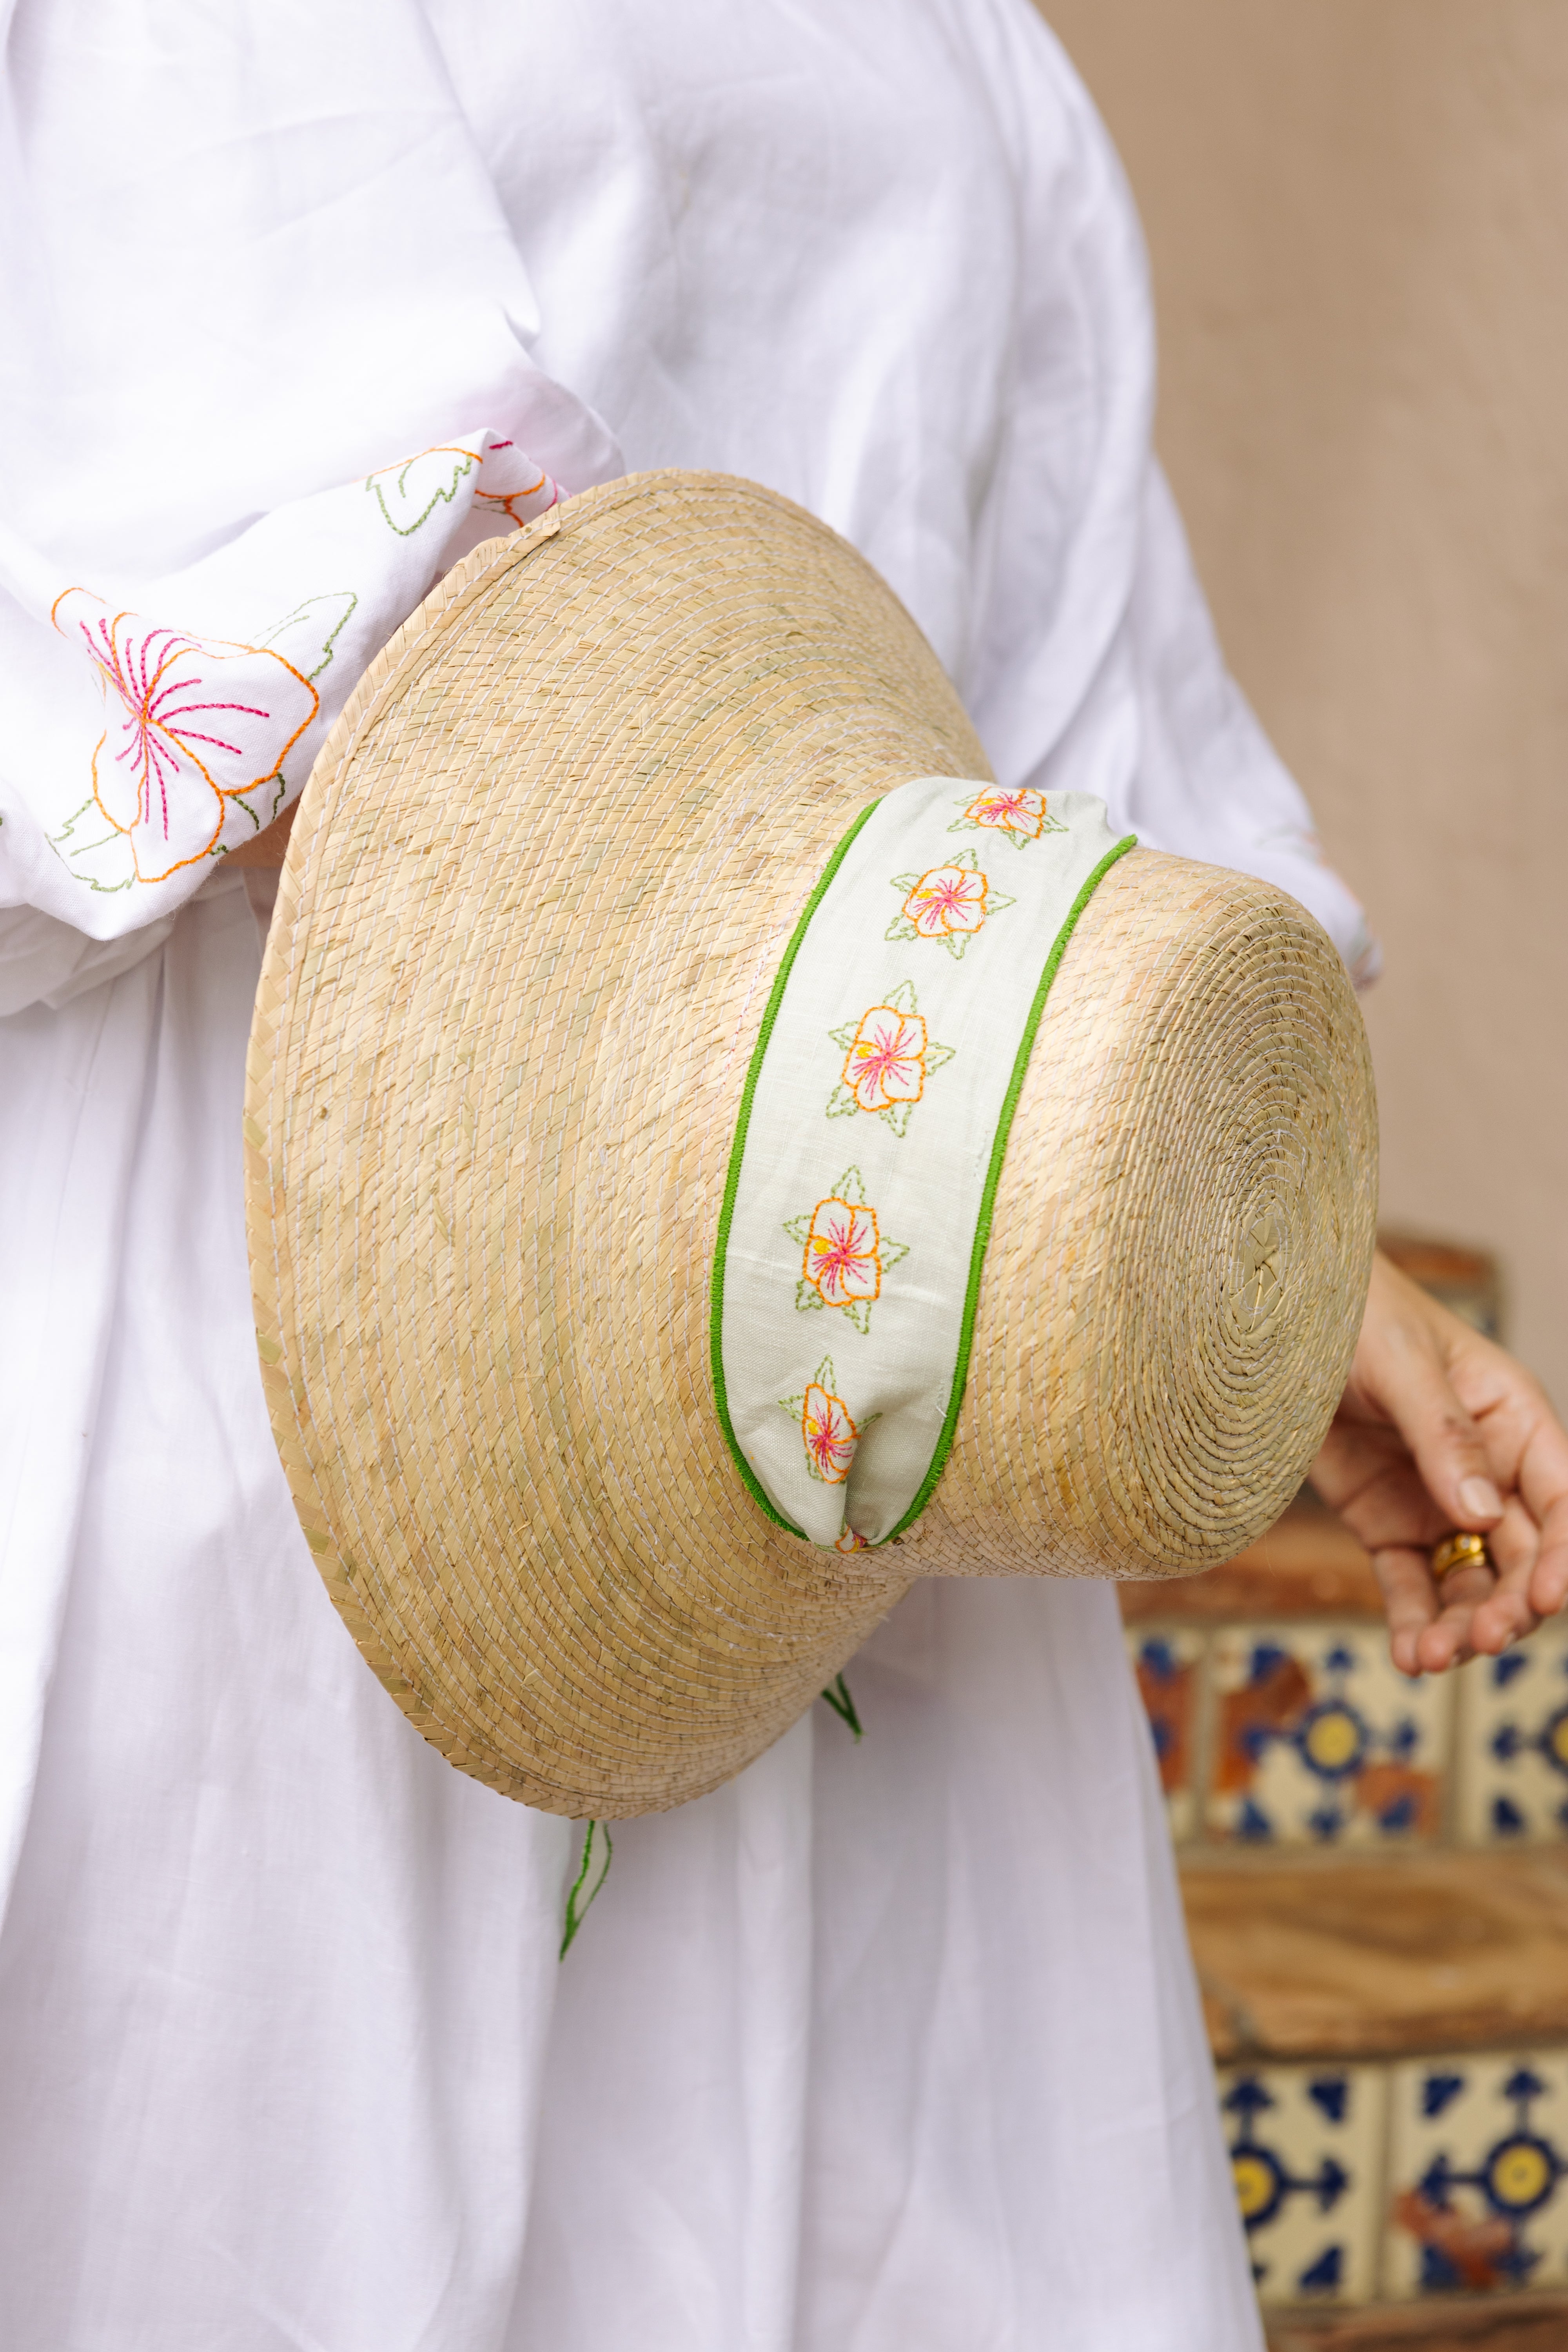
<point x="539" y="887"/>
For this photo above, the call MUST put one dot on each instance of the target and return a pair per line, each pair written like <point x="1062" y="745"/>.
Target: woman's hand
<point x="1438" y="1429"/>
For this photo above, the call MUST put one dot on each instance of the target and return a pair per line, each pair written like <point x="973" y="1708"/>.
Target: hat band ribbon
<point x="870" y="1138"/>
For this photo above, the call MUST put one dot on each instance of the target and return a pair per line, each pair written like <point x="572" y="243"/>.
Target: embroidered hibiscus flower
<point x="845" y="1252"/>
<point x="948" y="899"/>
<point x="1020" y="812"/>
<point x="199" y="721"/>
<point x="888" y="1056"/>
<point x="850" y="1541"/>
<point x="948" y="904"/>
<point x="886" y="1063"/>
<point x="842" y="1260"/>
<point x="829" y="1433"/>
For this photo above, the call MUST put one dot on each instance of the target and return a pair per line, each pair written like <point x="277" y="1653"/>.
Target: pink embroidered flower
<point x="1020" y="812"/>
<point x="886" y="1063"/>
<point x="830" y="1435"/>
<point x="949" y="899"/>
<point x="199" y="721"/>
<point x="842" y="1259"/>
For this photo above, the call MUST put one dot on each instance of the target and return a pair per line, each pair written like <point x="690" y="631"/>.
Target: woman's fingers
<point x="1406" y="1378"/>
<point x="1543" y="1484"/>
<point x="1529" y="1446"/>
<point x="1439" y="1429"/>
<point x="1477" y="1610"/>
<point x="1504" y="1614"/>
<point x="1429" y="1630"/>
<point x="1406" y="1576"/>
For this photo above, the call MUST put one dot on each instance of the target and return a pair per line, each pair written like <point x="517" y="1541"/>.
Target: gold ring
<point x="1459" y="1551"/>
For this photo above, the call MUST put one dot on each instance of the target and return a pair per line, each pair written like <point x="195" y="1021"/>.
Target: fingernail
<point x="1479" y="1499"/>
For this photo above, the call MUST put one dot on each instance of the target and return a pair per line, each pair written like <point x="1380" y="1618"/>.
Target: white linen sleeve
<point x="1092" y="662"/>
<point x="264" y="374"/>
<point x="1206" y="782"/>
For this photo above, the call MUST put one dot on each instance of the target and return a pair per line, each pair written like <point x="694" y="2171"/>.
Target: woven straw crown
<point x="539" y="886"/>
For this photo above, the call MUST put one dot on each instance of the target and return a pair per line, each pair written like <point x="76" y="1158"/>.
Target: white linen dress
<point x="890" y="2047"/>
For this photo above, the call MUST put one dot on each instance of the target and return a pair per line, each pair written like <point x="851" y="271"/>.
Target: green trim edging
<point x="993" y="1177"/>
<point x="732" y="1180"/>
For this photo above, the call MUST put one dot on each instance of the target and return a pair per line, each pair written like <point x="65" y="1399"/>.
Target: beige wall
<point x="1358" y="215"/>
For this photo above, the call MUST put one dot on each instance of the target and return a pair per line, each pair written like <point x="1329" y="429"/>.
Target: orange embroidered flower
<point x="842" y="1259"/>
<point x="888" y="1054"/>
<point x="1019" y="811"/>
<point x="829" y="1433"/>
<point x="850" y="1541"/>
<point x="846" y="1252"/>
<point x="201" y="721"/>
<point x="886" y="1063"/>
<point x="948" y="899"/>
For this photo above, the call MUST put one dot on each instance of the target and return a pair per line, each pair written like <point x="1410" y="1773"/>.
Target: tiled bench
<point x="1280" y="1720"/>
<point x="1376" y="1878"/>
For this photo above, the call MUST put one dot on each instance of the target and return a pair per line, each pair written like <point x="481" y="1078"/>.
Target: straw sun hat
<point x="712" y="1158"/>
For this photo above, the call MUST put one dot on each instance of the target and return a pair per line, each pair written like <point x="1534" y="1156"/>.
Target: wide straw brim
<point x="540" y="885"/>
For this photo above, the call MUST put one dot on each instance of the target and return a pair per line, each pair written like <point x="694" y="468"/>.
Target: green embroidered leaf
<point x="897" y="1116"/>
<point x="905" y="882"/>
<point x="799" y="1230"/>
<point x="937" y="1055"/>
<point x="995" y="902"/>
<point x="901" y="927"/>
<point x="823" y="1377"/>
<point x="838" y="1699"/>
<point x="956" y="942"/>
<point x="841" y="1103"/>
<point x="795" y="1406"/>
<point x="409" y="494"/>
<point x="964" y="825"/>
<point x="891" y="1252"/>
<point x="858" y="1312"/>
<point x="312" y="630"/>
<point x="99" y="853"/>
<point x="806" y="1295"/>
<point x="968" y="860"/>
<point x="851" y="1187"/>
<point x="844" y="1036"/>
<point x="598" y="1851"/>
<point x="901" y="998"/>
<point x="277" y="785"/>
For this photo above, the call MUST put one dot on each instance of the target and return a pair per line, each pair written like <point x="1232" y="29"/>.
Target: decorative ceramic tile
<point x="1319" y="1740"/>
<point x="1479" y="2174"/>
<point x="1306" y="2147"/>
<point x="1513" y="1748"/>
<point x="1168" y="1663"/>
